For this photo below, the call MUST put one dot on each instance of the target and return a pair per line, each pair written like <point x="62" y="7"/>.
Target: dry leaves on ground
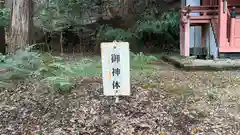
<point x="171" y="102"/>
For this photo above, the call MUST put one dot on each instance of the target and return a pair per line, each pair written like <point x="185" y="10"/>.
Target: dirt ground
<point x="166" y="102"/>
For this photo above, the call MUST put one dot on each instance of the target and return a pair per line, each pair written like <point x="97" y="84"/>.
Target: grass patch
<point x="91" y="66"/>
<point x="59" y="73"/>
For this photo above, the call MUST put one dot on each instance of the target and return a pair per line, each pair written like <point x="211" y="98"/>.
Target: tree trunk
<point x="21" y="25"/>
<point x="2" y="34"/>
<point x="2" y="40"/>
<point x="61" y="43"/>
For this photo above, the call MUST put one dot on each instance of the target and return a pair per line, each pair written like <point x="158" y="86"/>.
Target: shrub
<point x="5" y="16"/>
<point x="107" y="33"/>
<point x="45" y="67"/>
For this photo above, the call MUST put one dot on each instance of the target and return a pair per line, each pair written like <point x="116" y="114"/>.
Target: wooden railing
<point x="204" y="10"/>
<point x="204" y="13"/>
<point x="233" y="5"/>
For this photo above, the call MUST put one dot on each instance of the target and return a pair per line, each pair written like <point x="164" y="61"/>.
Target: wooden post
<point x="185" y="22"/>
<point x="187" y="39"/>
<point x="181" y="39"/>
<point x="222" y="38"/>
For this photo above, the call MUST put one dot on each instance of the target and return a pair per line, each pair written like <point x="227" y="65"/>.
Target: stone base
<point x="191" y="63"/>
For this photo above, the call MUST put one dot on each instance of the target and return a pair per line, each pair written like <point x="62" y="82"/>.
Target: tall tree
<point x="2" y="34"/>
<point x="21" y="25"/>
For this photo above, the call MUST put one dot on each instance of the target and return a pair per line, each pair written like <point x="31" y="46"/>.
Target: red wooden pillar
<point x="187" y="38"/>
<point x="184" y="33"/>
<point x="222" y="32"/>
<point x="181" y="39"/>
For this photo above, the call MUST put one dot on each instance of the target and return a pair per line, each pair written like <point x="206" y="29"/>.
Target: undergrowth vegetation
<point x="164" y="25"/>
<point x="5" y="15"/>
<point x="54" y="71"/>
<point x="43" y="67"/>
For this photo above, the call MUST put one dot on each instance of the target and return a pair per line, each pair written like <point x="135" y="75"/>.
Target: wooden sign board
<point x="115" y="68"/>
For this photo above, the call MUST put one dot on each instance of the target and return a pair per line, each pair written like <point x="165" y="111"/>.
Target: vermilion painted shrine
<point x="209" y="26"/>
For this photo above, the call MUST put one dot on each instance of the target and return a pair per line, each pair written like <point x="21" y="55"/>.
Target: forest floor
<point x="164" y="101"/>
